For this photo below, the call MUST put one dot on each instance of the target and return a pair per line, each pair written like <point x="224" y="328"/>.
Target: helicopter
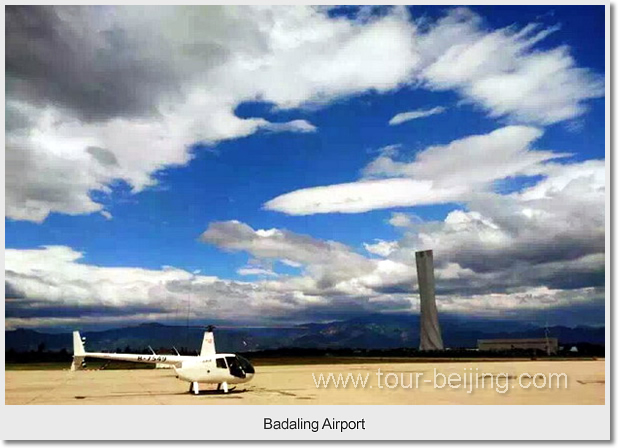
<point x="209" y="367"/>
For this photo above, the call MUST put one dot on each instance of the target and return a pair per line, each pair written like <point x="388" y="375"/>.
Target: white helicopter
<point x="208" y="367"/>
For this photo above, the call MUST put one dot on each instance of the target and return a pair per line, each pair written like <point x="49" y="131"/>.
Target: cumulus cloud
<point x="381" y="247"/>
<point x="56" y="287"/>
<point x="99" y="94"/>
<point x="539" y="300"/>
<point x="415" y="114"/>
<point x="537" y="250"/>
<point x="55" y="278"/>
<point x="398" y="219"/>
<point x="541" y="248"/>
<point x="52" y="285"/>
<point x="550" y="234"/>
<point x="327" y="262"/>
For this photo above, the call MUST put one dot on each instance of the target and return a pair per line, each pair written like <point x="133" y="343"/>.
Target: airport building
<point x="546" y="345"/>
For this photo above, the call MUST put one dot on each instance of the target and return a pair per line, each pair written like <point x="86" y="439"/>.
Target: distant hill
<point x="367" y="332"/>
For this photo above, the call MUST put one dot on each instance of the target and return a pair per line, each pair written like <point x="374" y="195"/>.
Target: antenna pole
<point x="547" y="338"/>
<point x="189" y="311"/>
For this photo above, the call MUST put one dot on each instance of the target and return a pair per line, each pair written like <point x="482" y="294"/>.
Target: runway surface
<point x="585" y="384"/>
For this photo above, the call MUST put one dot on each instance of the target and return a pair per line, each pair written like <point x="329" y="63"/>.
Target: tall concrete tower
<point x="431" y="337"/>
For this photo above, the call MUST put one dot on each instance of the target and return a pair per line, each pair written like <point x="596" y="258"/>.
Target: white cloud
<point x="538" y="249"/>
<point x="328" y="262"/>
<point x="502" y="153"/>
<point x="534" y="250"/>
<point x="381" y="247"/>
<point x="401" y="220"/>
<point x="53" y="283"/>
<point x="54" y="274"/>
<point x="257" y="271"/>
<point x="557" y="224"/>
<point x="415" y="114"/>
<point x="514" y="303"/>
<point x="291" y="126"/>
<point x="129" y="89"/>
<point x="365" y="195"/>
<point x="388" y="150"/>
<point x="588" y="175"/>
<point x="143" y="84"/>
<point x="503" y="72"/>
<point x="439" y="174"/>
<point x="292" y="264"/>
<point x="164" y="79"/>
<point x="52" y="286"/>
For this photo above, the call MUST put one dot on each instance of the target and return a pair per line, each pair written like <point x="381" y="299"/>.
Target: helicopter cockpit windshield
<point x="245" y="364"/>
<point x="239" y="366"/>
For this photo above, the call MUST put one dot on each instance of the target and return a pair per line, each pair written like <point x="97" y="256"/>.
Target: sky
<point x="282" y="165"/>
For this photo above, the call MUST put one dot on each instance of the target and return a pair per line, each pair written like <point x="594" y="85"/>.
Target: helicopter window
<point x="221" y="363"/>
<point x="232" y="362"/>
<point x="245" y="364"/>
<point x="235" y="368"/>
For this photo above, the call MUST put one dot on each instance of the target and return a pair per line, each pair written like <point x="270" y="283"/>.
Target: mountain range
<point x="367" y="332"/>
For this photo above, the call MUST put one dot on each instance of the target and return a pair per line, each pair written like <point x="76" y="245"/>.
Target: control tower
<point x="431" y="337"/>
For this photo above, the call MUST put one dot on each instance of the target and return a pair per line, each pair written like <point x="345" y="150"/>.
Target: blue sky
<point x="152" y="215"/>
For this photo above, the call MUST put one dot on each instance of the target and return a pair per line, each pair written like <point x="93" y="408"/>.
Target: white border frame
<point x="245" y="422"/>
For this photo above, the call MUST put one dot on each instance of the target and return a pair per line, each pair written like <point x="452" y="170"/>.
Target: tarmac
<point x="583" y="382"/>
